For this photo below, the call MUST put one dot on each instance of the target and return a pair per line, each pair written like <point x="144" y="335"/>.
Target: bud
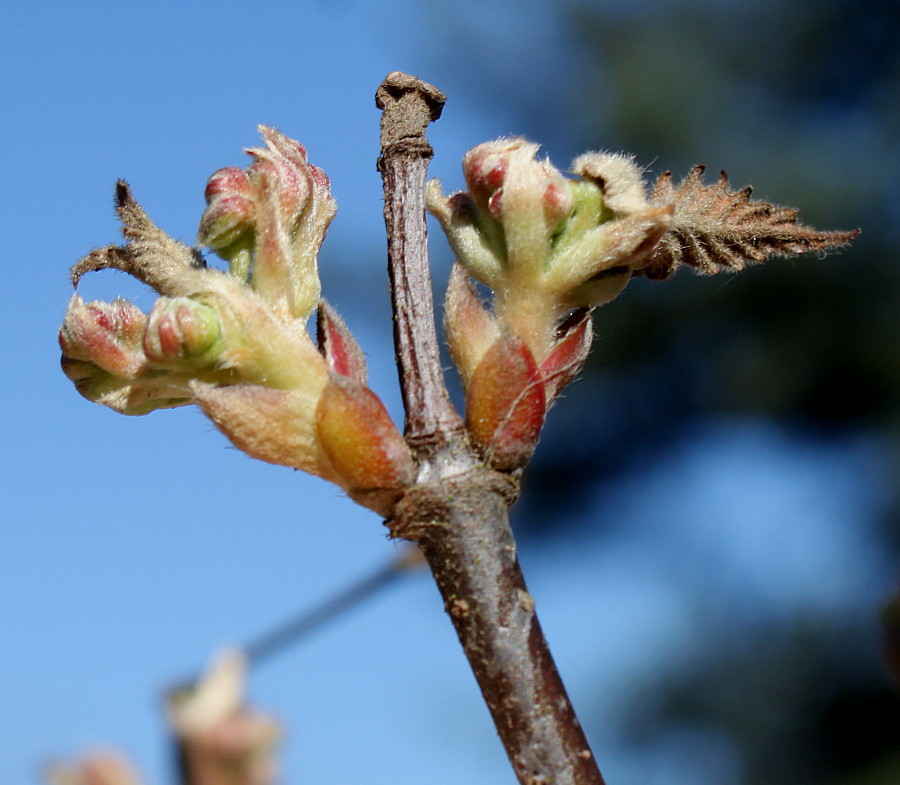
<point x="617" y="178"/>
<point x="219" y="739"/>
<point x="506" y="404"/>
<point x="362" y="443"/>
<point x="230" y="209"/>
<point x="269" y="221"/>
<point x="550" y="249"/>
<point x="181" y="331"/>
<point x="569" y="355"/>
<point x="528" y="198"/>
<point x="471" y="330"/>
<point x="294" y="209"/>
<point x="107" y="335"/>
<point x="103" y="357"/>
<point x="236" y="343"/>
<point x="338" y="346"/>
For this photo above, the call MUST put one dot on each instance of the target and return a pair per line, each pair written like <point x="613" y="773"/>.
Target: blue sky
<point x="131" y="548"/>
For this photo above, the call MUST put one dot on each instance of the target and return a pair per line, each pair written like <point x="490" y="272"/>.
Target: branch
<point x="458" y="511"/>
<point x="409" y="105"/>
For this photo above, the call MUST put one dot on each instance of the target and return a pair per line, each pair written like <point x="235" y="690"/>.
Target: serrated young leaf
<point x="715" y="228"/>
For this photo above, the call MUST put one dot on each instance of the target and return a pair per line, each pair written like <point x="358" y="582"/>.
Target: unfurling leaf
<point x="715" y="228"/>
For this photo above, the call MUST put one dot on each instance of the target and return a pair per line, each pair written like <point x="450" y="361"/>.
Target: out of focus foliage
<point x="801" y="99"/>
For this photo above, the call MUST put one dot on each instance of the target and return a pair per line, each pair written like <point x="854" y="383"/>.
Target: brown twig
<point x="408" y="106"/>
<point x="458" y="510"/>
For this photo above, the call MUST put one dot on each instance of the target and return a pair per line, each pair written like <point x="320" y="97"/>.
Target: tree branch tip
<point x="396" y="84"/>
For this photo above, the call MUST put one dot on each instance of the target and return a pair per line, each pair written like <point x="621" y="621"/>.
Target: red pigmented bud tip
<point x="569" y="354"/>
<point x="105" y="335"/>
<point x="506" y="404"/>
<point x="484" y="169"/>
<point x="367" y="452"/>
<point x="338" y="346"/>
<point x="230" y="210"/>
<point x="182" y="331"/>
<point x="504" y="178"/>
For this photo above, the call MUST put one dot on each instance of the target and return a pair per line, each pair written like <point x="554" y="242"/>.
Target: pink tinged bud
<point x="362" y="443"/>
<point x="294" y="208"/>
<point x="276" y="426"/>
<point x="484" y="169"/>
<point x="279" y="182"/>
<point x="107" y="335"/>
<point x="181" y="331"/>
<point x="568" y="356"/>
<point x="471" y="330"/>
<point x="506" y="404"/>
<point x="337" y="344"/>
<point x="102" y="356"/>
<point x="227" y="181"/>
<point x="230" y="208"/>
<point x="534" y="200"/>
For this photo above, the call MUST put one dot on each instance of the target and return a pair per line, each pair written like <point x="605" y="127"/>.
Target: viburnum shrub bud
<point x="102" y="355"/>
<point x="546" y="244"/>
<point x="550" y="248"/>
<point x="269" y="221"/>
<point x="235" y="343"/>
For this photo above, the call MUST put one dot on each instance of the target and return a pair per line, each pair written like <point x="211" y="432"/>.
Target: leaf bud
<point x="230" y="210"/>
<point x="107" y="335"/>
<point x="181" y="331"/>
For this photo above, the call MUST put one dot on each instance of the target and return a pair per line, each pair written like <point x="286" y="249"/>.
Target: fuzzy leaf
<point x="506" y="404"/>
<point x="276" y="426"/>
<point x="471" y="329"/>
<point x="569" y="354"/>
<point x="361" y="441"/>
<point x="715" y="228"/>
